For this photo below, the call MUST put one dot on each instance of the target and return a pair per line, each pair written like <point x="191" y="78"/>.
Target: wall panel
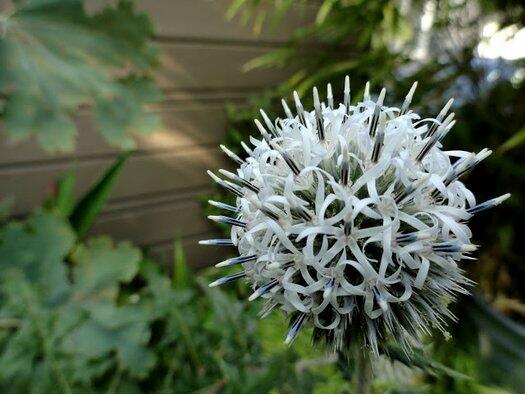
<point x="158" y="197"/>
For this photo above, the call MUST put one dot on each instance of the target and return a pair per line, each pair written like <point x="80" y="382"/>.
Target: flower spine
<point x="352" y="219"/>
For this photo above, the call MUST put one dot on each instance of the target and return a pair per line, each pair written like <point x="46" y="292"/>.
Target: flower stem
<point x="363" y="372"/>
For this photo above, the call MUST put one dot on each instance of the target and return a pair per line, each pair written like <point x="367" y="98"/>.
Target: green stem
<point x="363" y="372"/>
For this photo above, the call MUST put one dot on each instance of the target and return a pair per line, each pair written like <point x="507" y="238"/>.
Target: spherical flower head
<point x="352" y="219"/>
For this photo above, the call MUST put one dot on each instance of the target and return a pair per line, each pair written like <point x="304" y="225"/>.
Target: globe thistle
<point x="352" y="219"/>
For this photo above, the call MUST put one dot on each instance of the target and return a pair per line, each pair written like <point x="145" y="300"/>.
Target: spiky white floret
<point x="352" y="218"/>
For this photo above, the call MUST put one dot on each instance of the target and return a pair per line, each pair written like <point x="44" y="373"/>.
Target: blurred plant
<point x="54" y="58"/>
<point x="97" y="316"/>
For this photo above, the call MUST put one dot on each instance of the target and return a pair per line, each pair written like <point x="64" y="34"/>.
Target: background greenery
<point x="91" y="315"/>
<point x="55" y="58"/>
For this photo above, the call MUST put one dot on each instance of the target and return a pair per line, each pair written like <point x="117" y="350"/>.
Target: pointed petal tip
<point x="226" y="173"/>
<point x="381" y="97"/>
<point x="213" y="176"/>
<point x="469" y="248"/>
<point x="502" y="198"/>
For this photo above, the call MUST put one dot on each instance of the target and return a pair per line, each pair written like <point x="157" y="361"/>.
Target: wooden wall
<point x="158" y="194"/>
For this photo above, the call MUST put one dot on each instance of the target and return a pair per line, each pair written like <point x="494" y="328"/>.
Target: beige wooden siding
<point x="158" y="196"/>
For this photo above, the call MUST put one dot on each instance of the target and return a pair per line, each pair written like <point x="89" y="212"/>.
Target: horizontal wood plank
<point x="187" y="65"/>
<point x="152" y="224"/>
<point x="205" y="19"/>
<point x="183" y="126"/>
<point x="143" y="175"/>
<point x="156" y="226"/>
<point x="197" y="256"/>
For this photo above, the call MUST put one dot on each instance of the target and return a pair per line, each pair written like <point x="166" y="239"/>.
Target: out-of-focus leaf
<point x="55" y="58"/>
<point x="128" y="341"/>
<point x="277" y="58"/>
<point x="234" y="8"/>
<point x="120" y="115"/>
<point x="324" y="10"/>
<point x="181" y="274"/>
<point x="91" y="204"/>
<point x="513" y="142"/>
<point x="423" y="361"/>
<point x="501" y="345"/>
<point x="63" y="199"/>
<point x="37" y="248"/>
<point x="99" y="267"/>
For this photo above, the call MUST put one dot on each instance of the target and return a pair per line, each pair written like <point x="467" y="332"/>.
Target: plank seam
<point x="150" y="201"/>
<point x="59" y="163"/>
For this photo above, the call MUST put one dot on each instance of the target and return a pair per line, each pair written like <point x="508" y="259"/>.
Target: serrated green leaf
<point x="54" y="58"/>
<point x="37" y="249"/>
<point x="129" y="342"/>
<point x="91" y="204"/>
<point x="100" y="266"/>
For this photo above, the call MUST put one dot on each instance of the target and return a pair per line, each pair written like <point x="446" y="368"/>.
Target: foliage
<point x="55" y="58"/>
<point x="88" y="208"/>
<point x="97" y="316"/>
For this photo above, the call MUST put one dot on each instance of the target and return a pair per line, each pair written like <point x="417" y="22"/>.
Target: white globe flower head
<point x="352" y="219"/>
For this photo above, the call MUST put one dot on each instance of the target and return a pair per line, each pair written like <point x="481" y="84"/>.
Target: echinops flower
<point x="352" y="219"/>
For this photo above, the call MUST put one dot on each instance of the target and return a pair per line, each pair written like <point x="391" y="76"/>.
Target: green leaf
<point x="419" y="359"/>
<point x="324" y="10"/>
<point x="37" y="249"/>
<point x="128" y="341"/>
<point x="234" y="8"/>
<point x="91" y="204"/>
<point x="120" y="113"/>
<point x="181" y="274"/>
<point x="54" y="58"/>
<point x="63" y="200"/>
<point x="513" y="142"/>
<point x="501" y="344"/>
<point x="100" y="266"/>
